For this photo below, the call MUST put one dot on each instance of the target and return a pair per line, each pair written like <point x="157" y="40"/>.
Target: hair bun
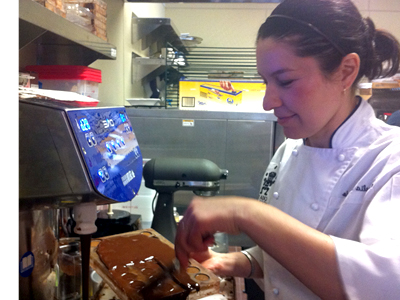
<point x="370" y="28"/>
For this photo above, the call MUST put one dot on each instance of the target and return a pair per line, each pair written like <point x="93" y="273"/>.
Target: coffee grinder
<point x="71" y="159"/>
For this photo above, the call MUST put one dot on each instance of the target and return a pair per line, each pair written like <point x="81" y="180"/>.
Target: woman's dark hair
<point x="330" y="29"/>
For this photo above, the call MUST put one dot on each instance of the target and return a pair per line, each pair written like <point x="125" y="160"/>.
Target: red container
<point x="80" y="79"/>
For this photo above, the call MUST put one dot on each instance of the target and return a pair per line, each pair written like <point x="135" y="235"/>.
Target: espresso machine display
<point x="110" y="150"/>
<point x="71" y="159"/>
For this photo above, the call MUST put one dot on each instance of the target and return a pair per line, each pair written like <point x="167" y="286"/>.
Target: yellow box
<point x="246" y="96"/>
<point x="215" y="92"/>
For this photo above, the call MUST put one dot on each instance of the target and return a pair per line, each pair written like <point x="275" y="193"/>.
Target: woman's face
<point x="306" y="103"/>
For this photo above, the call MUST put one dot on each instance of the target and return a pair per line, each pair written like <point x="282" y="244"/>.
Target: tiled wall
<point x="384" y="13"/>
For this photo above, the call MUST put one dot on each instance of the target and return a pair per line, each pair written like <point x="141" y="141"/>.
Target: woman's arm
<point x="307" y="253"/>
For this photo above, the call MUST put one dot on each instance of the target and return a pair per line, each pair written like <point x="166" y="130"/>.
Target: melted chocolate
<point x="133" y="261"/>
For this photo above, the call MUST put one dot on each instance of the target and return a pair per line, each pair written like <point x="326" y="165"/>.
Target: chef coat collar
<point x="346" y="120"/>
<point x="350" y="126"/>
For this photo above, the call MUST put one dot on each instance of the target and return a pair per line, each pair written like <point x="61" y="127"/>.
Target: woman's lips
<point x="283" y="120"/>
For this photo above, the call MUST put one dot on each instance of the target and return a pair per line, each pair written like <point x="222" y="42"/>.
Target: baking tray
<point x="209" y="283"/>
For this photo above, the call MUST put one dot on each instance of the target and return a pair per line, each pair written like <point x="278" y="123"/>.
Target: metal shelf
<point x="60" y="41"/>
<point x="156" y="31"/>
<point x="146" y="69"/>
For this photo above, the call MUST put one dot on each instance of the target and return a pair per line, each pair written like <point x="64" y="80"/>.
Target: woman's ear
<point x="349" y="70"/>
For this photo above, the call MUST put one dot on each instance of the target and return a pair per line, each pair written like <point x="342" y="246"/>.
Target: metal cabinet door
<point x="248" y="152"/>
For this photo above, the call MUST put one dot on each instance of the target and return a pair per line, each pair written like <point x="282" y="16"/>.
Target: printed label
<point x="26" y="264"/>
<point x="128" y="177"/>
<point x="188" y="123"/>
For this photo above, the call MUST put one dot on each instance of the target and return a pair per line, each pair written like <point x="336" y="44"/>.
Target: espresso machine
<point x="71" y="159"/>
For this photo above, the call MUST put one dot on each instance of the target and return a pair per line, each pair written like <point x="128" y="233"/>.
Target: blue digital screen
<point x="110" y="150"/>
<point x="123" y="118"/>
<point x="84" y="124"/>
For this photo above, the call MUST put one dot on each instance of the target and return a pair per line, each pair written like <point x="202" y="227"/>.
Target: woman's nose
<point x="271" y="99"/>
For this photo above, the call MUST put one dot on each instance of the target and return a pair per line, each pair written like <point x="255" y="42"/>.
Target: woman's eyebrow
<point x="278" y="72"/>
<point x="281" y="71"/>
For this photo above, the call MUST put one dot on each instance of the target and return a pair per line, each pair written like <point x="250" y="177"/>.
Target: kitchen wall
<point x="218" y="24"/>
<point x="236" y="24"/>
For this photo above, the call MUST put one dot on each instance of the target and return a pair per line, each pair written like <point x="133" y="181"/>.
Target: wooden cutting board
<point x="209" y="283"/>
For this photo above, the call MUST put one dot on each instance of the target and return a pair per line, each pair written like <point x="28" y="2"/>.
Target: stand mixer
<point x="169" y="175"/>
<point x="70" y="158"/>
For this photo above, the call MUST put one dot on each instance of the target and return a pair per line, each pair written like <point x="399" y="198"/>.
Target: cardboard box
<point x="247" y="96"/>
<point x="216" y="93"/>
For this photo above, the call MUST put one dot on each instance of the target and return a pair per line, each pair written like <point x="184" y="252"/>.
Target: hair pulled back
<point x="335" y="28"/>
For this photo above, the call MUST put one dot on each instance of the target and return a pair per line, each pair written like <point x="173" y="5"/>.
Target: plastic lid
<point x="66" y="72"/>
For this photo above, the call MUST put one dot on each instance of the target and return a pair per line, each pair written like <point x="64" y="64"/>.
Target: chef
<point x="326" y="223"/>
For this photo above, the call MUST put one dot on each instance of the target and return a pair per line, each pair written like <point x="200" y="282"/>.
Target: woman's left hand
<point x="232" y="264"/>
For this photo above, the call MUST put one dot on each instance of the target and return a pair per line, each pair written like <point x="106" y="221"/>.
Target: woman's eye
<point x="285" y="83"/>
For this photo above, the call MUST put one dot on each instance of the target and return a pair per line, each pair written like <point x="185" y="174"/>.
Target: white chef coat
<point x="351" y="192"/>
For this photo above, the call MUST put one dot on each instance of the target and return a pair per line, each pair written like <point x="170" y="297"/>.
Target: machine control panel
<point x="110" y="150"/>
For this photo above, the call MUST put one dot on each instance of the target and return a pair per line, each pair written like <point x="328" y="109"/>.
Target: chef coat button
<point x="341" y="157"/>
<point x="314" y="206"/>
<point x="276" y="195"/>
<point x="275" y="291"/>
<point x="295" y="152"/>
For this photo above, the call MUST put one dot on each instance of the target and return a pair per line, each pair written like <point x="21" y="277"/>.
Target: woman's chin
<point x="292" y="134"/>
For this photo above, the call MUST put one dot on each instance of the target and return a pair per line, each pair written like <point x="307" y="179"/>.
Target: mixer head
<point x="169" y="175"/>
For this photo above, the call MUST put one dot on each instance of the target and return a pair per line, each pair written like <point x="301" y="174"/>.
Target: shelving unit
<point x="161" y="40"/>
<point x="59" y="41"/>
<point x="147" y="69"/>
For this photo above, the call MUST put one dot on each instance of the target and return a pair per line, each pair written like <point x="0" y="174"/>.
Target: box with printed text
<point x="212" y="95"/>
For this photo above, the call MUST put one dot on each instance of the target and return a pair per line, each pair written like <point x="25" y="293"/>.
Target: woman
<point x="327" y="222"/>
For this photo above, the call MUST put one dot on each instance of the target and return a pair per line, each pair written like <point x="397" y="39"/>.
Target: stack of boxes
<point x="89" y="14"/>
<point x="56" y="6"/>
<point x="100" y="18"/>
